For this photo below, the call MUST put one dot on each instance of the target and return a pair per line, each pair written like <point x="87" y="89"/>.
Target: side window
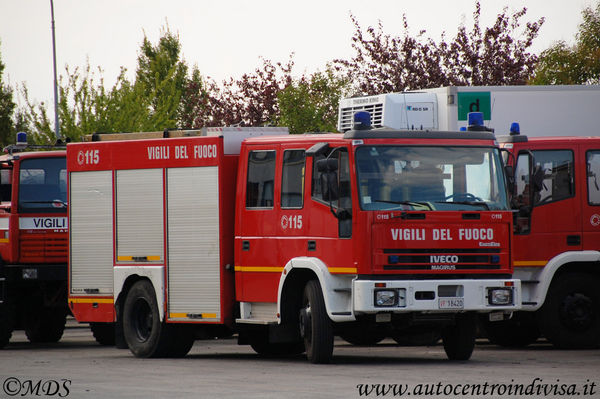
<point x="558" y="182"/>
<point x="593" y="174"/>
<point x="292" y="180"/>
<point x="261" y="179"/>
<point x="334" y="187"/>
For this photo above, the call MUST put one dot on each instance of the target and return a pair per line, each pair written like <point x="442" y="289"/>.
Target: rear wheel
<point x="315" y="325"/>
<point x="46" y="324"/>
<point x="520" y="331"/>
<point x="283" y="349"/>
<point x="104" y="333"/>
<point x="144" y="332"/>
<point x="363" y="336"/>
<point x="570" y="317"/>
<point x="6" y="325"/>
<point x="459" y="339"/>
<point x="417" y="338"/>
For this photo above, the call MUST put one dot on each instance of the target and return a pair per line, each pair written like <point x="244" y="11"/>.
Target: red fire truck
<point x="33" y="243"/>
<point x="289" y="240"/>
<point x="556" y="241"/>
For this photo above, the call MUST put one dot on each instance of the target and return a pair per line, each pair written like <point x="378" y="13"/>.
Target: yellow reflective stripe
<point x="352" y="270"/>
<point x="268" y="269"/>
<point x="132" y="258"/>
<point x="3" y="240"/>
<point x="277" y="269"/>
<point x="92" y="300"/>
<point x="185" y="315"/>
<point x="530" y="263"/>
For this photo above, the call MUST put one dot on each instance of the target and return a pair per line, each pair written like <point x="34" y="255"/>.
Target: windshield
<point x="43" y="185"/>
<point x="430" y="178"/>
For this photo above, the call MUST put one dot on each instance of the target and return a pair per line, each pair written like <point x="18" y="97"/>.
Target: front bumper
<point x="374" y="296"/>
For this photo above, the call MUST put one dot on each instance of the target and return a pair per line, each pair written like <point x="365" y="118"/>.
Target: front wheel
<point x="459" y="339"/>
<point x="316" y="327"/>
<point x="570" y="316"/>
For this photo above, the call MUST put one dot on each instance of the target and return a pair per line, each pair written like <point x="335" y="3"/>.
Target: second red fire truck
<point x="289" y="240"/>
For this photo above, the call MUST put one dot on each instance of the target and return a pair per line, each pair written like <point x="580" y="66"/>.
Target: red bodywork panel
<point x="150" y="154"/>
<point x="568" y="224"/>
<point x="35" y="238"/>
<point x="273" y="240"/>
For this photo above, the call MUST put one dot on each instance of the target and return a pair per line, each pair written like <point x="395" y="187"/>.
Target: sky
<point x="226" y="38"/>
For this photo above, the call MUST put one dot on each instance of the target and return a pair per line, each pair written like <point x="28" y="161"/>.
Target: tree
<point x="385" y="63"/>
<point x="163" y="77"/>
<point x="152" y="102"/>
<point x="248" y="101"/>
<point x="310" y="104"/>
<point x="577" y="64"/>
<point x="7" y="107"/>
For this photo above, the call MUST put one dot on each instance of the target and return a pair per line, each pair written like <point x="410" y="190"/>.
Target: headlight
<point x="386" y="298"/>
<point x="500" y="296"/>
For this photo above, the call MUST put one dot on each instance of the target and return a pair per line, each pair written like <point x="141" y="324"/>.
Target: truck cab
<point x="371" y="233"/>
<point x="33" y="244"/>
<point x="556" y="195"/>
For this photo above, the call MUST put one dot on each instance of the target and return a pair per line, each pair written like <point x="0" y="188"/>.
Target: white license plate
<point x="451" y="303"/>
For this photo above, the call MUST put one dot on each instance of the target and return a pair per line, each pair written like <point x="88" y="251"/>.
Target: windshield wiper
<point x="410" y="203"/>
<point x="57" y="203"/>
<point x="473" y="203"/>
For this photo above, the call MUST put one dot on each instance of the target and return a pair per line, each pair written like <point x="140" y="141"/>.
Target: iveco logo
<point x="443" y="259"/>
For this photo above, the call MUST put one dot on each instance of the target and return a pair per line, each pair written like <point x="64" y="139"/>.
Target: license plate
<point x="451" y="303"/>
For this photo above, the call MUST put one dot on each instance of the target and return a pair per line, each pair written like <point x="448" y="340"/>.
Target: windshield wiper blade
<point x="56" y="203"/>
<point x="410" y="203"/>
<point x="473" y="203"/>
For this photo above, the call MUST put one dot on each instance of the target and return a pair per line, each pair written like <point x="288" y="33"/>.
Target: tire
<point x="517" y="332"/>
<point x="315" y="326"/>
<point x="285" y="349"/>
<point x="6" y="325"/>
<point x="46" y="325"/>
<point x="144" y="332"/>
<point x="104" y="333"/>
<point x="363" y="336"/>
<point x="459" y="339"/>
<point x="181" y="340"/>
<point x="570" y="317"/>
<point x="424" y="338"/>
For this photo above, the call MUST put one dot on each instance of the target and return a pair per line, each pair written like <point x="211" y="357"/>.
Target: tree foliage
<point x="310" y="104"/>
<point x="7" y="107"/>
<point x="250" y="100"/>
<point x="151" y="102"/>
<point x="492" y="56"/>
<point x="577" y="64"/>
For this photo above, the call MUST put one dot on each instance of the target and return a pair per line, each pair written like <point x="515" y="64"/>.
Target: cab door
<point x="552" y="224"/>
<point x="590" y="201"/>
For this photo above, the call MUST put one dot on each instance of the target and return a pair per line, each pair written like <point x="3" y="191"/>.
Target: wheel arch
<point x="336" y="289"/>
<point x="564" y="263"/>
<point x="126" y="277"/>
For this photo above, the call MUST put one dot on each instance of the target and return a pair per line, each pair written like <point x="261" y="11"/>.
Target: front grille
<point x="441" y="259"/>
<point x="47" y="248"/>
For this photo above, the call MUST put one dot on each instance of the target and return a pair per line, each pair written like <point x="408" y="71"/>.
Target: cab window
<point x="292" y="180"/>
<point x="260" y="180"/>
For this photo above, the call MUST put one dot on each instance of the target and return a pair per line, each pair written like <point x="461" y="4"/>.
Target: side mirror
<point x="510" y="177"/>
